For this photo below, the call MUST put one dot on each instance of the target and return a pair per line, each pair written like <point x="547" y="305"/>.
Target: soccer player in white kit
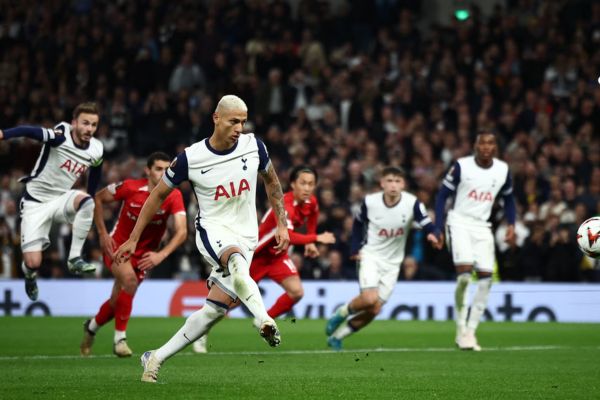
<point x="68" y="151"/>
<point x="223" y="171"/>
<point x="379" y="235"/>
<point x="475" y="182"/>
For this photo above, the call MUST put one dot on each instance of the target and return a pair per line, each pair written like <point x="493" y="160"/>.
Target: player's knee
<point x="86" y="204"/>
<point x="32" y="261"/>
<point x="370" y="298"/>
<point x="130" y="284"/>
<point x="376" y="308"/>
<point x="296" y="294"/>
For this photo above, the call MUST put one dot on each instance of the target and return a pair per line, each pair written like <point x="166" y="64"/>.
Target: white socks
<point x="343" y="310"/>
<point x="479" y="303"/>
<point x="28" y="272"/>
<point x="119" y="335"/>
<point x="343" y="331"/>
<point x="195" y="326"/>
<point x="93" y="325"/>
<point x="81" y="226"/>
<point x="460" y="301"/>
<point x="245" y="287"/>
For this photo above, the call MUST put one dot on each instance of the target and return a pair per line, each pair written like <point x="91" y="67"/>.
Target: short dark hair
<point x="86" y="108"/>
<point x="157" y="156"/>
<point x="296" y="171"/>
<point x="393" y="170"/>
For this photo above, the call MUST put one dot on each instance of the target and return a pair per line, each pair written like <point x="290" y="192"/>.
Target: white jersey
<point x="476" y="190"/>
<point x="224" y="183"/>
<point x="387" y="228"/>
<point x="60" y="163"/>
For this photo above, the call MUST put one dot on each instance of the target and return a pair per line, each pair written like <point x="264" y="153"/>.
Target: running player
<point x="223" y="171"/>
<point x="130" y="274"/>
<point x="68" y="151"/>
<point x="378" y="243"/>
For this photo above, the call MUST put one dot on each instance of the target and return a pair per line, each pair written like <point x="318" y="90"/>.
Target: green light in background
<point x="461" y="14"/>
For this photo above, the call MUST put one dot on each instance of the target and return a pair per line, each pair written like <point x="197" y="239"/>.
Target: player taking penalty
<point x="223" y="171"/>
<point x="132" y="193"/>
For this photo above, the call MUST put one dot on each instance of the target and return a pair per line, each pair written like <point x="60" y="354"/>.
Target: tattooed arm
<point x="275" y="194"/>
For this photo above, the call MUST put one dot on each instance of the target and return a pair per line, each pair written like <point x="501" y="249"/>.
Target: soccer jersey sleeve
<point x="510" y="208"/>
<point x="311" y="221"/>
<point x="359" y="229"/>
<point x="263" y="155"/>
<point x="53" y="137"/>
<point x="421" y="217"/>
<point x="177" y="206"/>
<point x="177" y="171"/>
<point x="120" y="190"/>
<point x="447" y="187"/>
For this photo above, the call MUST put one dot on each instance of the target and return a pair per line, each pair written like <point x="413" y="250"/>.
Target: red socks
<point x="123" y="310"/>
<point x="283" y="304"/>
<point x="105" y="314"/>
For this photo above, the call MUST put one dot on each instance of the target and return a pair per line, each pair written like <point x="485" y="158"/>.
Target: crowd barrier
<point x="422" y="301"/>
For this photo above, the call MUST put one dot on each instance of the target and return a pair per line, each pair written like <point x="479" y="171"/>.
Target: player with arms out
<point x="68" y="151"/>
<point x="302" y="208"/>
<point x="378" y="243"/>
<point x="223" y="171"/>
<point x="130" y="274"/>
<point x="475" y="182"/>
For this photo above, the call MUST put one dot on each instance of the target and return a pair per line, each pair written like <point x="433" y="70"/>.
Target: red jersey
<point x="133" y="193"/>
<point x="298" y="214"/>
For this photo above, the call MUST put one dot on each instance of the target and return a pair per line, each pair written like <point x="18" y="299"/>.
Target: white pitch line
<point x="304" y="352"/>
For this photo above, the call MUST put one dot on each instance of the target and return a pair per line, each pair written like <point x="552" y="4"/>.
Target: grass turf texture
<point x="39" y="358"/>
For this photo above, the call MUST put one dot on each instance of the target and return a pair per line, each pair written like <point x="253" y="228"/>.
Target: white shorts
<point x="37" y="219"/>
<point x="377" y="273"/>
<point x="212" y="243"/>
<point x="471" y="245"/>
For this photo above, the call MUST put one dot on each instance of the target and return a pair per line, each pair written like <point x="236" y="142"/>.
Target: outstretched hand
<point x="436" y="242"/>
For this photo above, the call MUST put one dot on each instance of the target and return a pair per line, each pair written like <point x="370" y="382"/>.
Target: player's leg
<point x="36" y="221"/>
<point x="459" y="244"/>
<point x="368" y="281"/>
<point x="128" y="279"/>
<point x="362" y="310"/>
<point x="484" y="251"/>
<point x="196" y="325"/>
<point x="93" y="325"/>
<point x="80" y="211"/>
<point x="285" y="273"/>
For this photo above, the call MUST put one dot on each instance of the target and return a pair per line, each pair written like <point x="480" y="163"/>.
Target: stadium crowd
<point x="346" y="87"/>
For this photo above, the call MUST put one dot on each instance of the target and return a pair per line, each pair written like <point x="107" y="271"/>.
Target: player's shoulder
<point x="96" y="149"/>
<point x="408" y="197"/>
<point x="500" y="163"/>
<point x="313" y="201"/>
<point x="466" y="160"/>
<point x="373" y="199"/>
<point x="62" y="128"/>
<point x="175" y="195"/>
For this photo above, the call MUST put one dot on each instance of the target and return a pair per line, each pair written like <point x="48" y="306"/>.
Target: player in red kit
<point x="128" y="275"/>
<point x="302" y="209"/>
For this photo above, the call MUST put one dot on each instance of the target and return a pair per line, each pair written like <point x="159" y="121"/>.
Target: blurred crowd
<point x="345" y="86"/>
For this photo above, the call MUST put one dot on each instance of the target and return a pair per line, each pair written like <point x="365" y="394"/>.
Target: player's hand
<point x="1" y="134"/>
<point x="355" y="257"/>
<point x="511" y="237"/>
<point x="436" y="243"/>
<point x="108" y="245"/>
<point x="311" y="250"/>
<point x="150" y="260"/>
<point x="326" y="238"/>
<point x="125" y="251"/>
<point x="282" y="238"/>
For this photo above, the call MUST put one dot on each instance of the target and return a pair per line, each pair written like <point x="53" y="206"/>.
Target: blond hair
<point x="231" y="102"/>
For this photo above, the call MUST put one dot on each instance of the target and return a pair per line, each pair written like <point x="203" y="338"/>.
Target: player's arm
<point x="447" y="189"/>
<point x="175" y="174"/>
<point x="359" y="232"/>
<point x="107" y="243"/>
<point x="422" y="219"/>
<point x="151" y="259"/>
<point x="510" y="209"/>
<point x="275" y="195"/>
<point x="52" y="136"/>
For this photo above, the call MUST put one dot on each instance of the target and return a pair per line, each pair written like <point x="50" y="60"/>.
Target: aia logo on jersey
<point x="389" y="233"/>
<point x="481" y="196"/>
<point x="74" y="167"/>
<point x="229" y="191"/>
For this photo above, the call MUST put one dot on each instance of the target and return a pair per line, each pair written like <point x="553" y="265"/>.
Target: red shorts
<point x="275" y="268"/>
<point x="139" y="274"/>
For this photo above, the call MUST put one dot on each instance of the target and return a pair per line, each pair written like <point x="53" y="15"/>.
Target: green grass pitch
<point x="39" y="359"/>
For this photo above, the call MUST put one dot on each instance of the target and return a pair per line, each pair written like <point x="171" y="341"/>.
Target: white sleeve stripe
<point x="507" y="191"/>
<point x="425" y="221"/>
<point x="180" y="213"/>
<point x="44" y="135"/>
<point x="449" y="185"/>
<point x="51" y="134"/>
<point x="168" y="181"/>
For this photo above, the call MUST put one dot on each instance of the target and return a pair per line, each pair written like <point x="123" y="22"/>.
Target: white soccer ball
<point x="588" y="237"/>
